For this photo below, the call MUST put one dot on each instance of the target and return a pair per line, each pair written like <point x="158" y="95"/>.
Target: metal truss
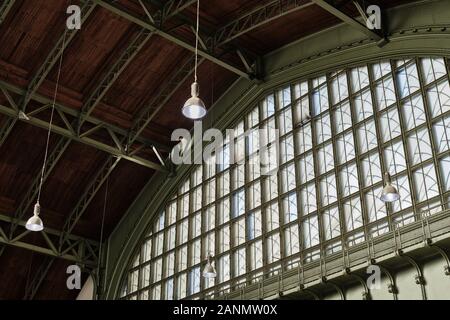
<point x="168" y="88"/>
<point x="119" y="66"/>
<point x="115" y="134"/>
<point x="326" y="5"/>
<point x="5" y="7"/>
<point x="174" y="7"/>
<point x="32" y="192"/>
<point x="33" y="286"/>
<point x="55" y="54"/>
<point x="6" y="129"/>
<point x="256" y="18"/>
<point x="75" y="249"/>
<point x="86" y="198"/>
<point x="109" y="5"/>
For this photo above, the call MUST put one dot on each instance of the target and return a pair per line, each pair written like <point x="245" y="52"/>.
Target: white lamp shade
<point x="35" y="224"/>
<point x="194" y="108"/>
<point x="389" y="194"/>
<point x="209" y="271"/>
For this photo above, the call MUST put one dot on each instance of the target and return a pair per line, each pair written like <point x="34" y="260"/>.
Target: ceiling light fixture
<point x="389" y="194"/>
<point x="35" y="223"/>
<point x="194" y="108"/>
<point x="209" y="271"/>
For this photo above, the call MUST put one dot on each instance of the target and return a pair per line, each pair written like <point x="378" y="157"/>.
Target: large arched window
<point x="338" y="134"/>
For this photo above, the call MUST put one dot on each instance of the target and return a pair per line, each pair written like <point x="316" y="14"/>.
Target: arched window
<point x="338" y="134"/>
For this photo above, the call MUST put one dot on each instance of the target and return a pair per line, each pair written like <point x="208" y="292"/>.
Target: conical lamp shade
<point x="194" y="108"/>
<point x="209" y="271"/>
<point x="389" y="193"/>
<point x="35" y="223"/>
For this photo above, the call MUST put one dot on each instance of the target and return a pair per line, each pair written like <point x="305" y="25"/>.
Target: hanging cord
<point x="51" y="118"/>
<point x="196" y="40"/>
<point x="101" y="233"/>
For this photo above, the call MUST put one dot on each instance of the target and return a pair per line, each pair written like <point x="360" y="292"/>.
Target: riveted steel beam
<point x="89" y="193"/>
<point x="349" y="20"/>
<point x="90" y="141"/>
<point x="5" y="7"/>
<point x="174" y="7"/>
<point x="76" y="249"/>
<point x="33" y="190"/>
<point x="6" y="129"/>
<point x="69" y="131"/>
<point x="256" y="18"/>
<point x="148" y="25"/>
<point x="39" y="275"/>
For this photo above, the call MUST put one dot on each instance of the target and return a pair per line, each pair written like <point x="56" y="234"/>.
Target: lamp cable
<point x="196" y="40"/>
<point x="51" y="118"/>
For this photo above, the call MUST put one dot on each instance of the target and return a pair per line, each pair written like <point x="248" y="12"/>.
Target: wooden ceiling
<point x="30" y="31"/>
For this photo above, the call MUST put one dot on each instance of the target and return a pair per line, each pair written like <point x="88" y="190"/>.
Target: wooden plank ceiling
<point x="27" y="35"/>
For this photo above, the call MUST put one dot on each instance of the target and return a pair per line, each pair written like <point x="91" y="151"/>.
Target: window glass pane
<point x="194" y="281"/>
<point x="371" y="169"/>
<point x="339" y="88"/>
<point x="268" y="106"/>
<point x="323" y="128"/>
<point x="325" y="158"/>
<point x="384" y="93"/>
<point x="239" y="232"/>
<point x="439" y="98"/>
<point x="331" y="223"/>
<point x="345" y="148"/>
<point x="285" y="120"/>
<point x="441" y="134"/>
<point x="413" y="112"/>
<point x="425" y="182"/>
<point x="272" y="217"/>
<point x="310" y="228"/>
<point x="376" y="209"/>
<point x="238" y="204"/>
<point x="390" y="125"/>
<point x="288" y="178"/>
<point x="366" y="136"/>
<point x="224" y="268"/>
<point x="419" y="146"/>
<point x="320" y="100"/>
<point x="273" y="248"/>
<point x="381" y="69"/>
<point x="445" y="172"/>
<point x="359" y="78"/>
<point x="306" y="168"/>
<point x="342" y="118"/>
<point x="256" y="255"/>
<point x="291" y="240"/>
<point x="254" y="225"/>
<point x="290" y="207"/>
<point x="270" y="187"/>
<point x="239" y="262"/>
<point x="353" y="214"/>
<point x="433" y="69"/>
<point x="307" y="199"/>
<point x="363" y="105"/>
<point x="349" y="179"/>
<point x="304" y="139"/>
